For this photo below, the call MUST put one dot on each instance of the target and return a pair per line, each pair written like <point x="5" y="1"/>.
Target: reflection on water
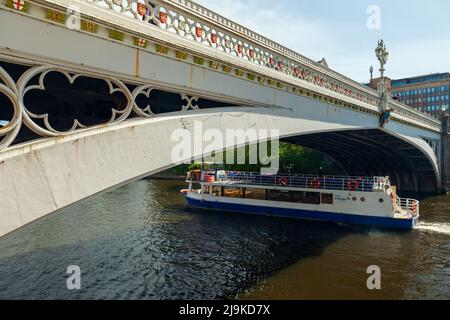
<point x="139" y="243"/>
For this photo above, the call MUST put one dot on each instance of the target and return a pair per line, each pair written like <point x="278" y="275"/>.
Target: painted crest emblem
<point x="214" y="37"/>
<point x="142" y="9"/>
<point x="296" y="72"/>
<point x="251" y="53"/>
<point x="198" y="32"/>
<point x="303" y="74"/>
<point x="19" y="4"/>
<point x="140" y="42"/>
<point x="163" y="17"/>
<point x="239" y="48"/>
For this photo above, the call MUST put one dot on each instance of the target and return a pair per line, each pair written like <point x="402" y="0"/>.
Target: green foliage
<point x="302" y="161"/>
<point x="293" y="158"/>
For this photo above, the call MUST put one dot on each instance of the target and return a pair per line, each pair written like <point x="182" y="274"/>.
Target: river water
<point x="138" y="242"/>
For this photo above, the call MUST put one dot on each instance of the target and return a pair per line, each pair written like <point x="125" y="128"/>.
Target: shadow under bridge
<point x="375" y="153"/>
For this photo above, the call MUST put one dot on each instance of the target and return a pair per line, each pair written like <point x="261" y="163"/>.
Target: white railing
<point x="189" y="20"/>
<point x="411" y="113"/>
<point x="353" y="184"/>
<point x="409" y="206"/>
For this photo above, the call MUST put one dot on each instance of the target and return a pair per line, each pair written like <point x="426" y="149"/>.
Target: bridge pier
<point x="445" y="154"/>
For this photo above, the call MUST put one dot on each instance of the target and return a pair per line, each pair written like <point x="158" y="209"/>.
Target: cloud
<point x="276" y="22"/>
<point x="420" y="57"/>
<point x="340" y="35"/>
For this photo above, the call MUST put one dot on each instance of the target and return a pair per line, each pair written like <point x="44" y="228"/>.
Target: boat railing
<point x="409" y="206"/>
<point x="361" y="184"/>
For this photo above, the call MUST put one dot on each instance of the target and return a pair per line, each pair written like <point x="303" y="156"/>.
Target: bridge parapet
<point x="265" y="61"/>
<point x="195" y="36"/>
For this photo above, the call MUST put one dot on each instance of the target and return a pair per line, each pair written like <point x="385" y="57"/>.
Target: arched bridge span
<point x="43" y="176"/>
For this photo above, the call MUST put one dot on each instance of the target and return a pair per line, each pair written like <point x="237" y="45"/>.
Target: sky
<point x="416" y="32"/>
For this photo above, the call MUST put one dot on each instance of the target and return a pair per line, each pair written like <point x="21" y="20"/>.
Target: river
<point x="138" y="242"/>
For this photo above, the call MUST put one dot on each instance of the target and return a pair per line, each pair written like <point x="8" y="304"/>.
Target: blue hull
<point x="304" y="214"/>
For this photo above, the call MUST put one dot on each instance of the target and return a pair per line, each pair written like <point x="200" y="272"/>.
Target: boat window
<point x="312" y="198"/>
<point x="217" y="191"/>
<point x="327" y="198"/>
<point x="285" y="196"/>
<point x="298" y="196"/>
<point x="256" y="194"/>
<point x="232" y="193"/>
<point x="273" y="195"/>
<point x="279" y="195"/>
<point x="294" y="196"/>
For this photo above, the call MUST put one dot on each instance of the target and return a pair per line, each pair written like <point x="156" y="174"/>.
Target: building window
<point x="327" y="198"/>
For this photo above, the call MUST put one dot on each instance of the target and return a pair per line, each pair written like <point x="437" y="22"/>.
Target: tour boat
<point x="371" y="201"/>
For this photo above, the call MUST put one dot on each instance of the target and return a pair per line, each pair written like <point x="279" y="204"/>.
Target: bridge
<point x="91" y="92"/>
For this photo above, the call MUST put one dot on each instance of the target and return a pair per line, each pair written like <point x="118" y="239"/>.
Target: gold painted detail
<point x="214" y="65"/>
<point x="116" y="35"/>
<point x="161" y="49"/>
<point x="199" y="60"/>
<point x="181" y="55"/>
<point x="55" y="16"/>
<point x="226" y="69"/>
<point x="239" y="73"/>
<point x="89" y="26"/>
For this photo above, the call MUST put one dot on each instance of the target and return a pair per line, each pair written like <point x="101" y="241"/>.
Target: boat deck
<point x="360" y="184"/>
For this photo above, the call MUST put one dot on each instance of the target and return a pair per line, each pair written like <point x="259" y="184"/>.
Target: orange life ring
<point x="283" y="181"/>
<point x="353" y="185"/>
<point x="315" y="184"/>
<point x="414" y="207"/>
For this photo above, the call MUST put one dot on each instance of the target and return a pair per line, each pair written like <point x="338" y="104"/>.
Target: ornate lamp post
<point x="382" y="56"/>
<point x="445" y="144"/>
<point x="444" y="118"/>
